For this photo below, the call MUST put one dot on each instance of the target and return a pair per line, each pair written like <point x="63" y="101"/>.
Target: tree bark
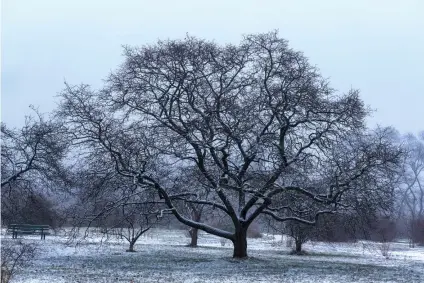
<point x="131" y="249"/>
<point x="194" y="233"/>
<point x="240" y="243"/>
<point x="298" y="246"/>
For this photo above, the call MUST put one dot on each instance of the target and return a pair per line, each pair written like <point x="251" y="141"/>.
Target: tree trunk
<point x="298" y="246"/>
<point x="131" y="249"/>
<point x="240" y="243"/>
<point x="194" y="234"/>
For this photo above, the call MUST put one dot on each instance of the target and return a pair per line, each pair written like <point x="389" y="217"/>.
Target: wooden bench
<point x="28" y="229"/>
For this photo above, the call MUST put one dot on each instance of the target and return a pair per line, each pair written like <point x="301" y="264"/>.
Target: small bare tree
<point x="33" y="152"/>
<point x="412" y="188"/>
<point x="32" y="163"/>
<point x="198" y="212"/>
<point x="113" y="203"/>
<point x="138" y="223"/>
<point x="130" y="222"/>
<point x="298" y="232"/>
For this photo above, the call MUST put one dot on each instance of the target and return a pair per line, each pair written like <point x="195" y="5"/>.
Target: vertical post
<point x="14" y="233"/>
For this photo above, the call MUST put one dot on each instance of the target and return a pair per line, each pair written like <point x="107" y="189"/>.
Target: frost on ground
<point x="163" y="257"/>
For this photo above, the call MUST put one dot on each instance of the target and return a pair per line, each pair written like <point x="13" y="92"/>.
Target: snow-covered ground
<point x="162" y="256"/>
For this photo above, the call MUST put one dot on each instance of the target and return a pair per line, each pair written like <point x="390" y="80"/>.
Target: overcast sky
<point x="376" y="46"/>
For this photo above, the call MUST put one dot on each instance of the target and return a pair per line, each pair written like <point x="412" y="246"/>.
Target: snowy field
<point x="163" y="257"/>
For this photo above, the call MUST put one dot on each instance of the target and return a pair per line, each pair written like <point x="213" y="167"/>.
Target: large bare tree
<point x="248" y="117"/>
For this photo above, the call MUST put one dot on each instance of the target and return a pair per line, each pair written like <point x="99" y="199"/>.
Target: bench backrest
<point x="28" y="227"/>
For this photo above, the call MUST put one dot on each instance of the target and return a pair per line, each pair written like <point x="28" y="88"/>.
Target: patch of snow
<point x="162" y="256"/>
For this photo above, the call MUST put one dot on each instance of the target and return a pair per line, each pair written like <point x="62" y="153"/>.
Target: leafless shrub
<point x="376" y="248"/>
<point x="385" y="249"/>
<point x="289" y="242"/>
<point x="275" y="244"/>
<point x="14" y="256"/>
<point x="418" y="231"/>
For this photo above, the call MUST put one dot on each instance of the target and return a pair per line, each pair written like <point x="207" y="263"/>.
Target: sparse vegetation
<point x="15" y="255"/>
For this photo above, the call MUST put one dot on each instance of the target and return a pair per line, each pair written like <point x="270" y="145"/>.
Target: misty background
<point x="376" y="46"/>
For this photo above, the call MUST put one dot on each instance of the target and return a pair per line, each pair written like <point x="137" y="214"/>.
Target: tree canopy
<point x="258" y="126"/>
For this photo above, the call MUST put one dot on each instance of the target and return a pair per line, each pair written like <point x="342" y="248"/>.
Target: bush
<point x="29" y="208"/>
<point x="418" y="232"/>
<point x="385" y="249"/>
<point x="353" y="227"/>
<point x="289" y="243"/>
<point x="14" y="256"/>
